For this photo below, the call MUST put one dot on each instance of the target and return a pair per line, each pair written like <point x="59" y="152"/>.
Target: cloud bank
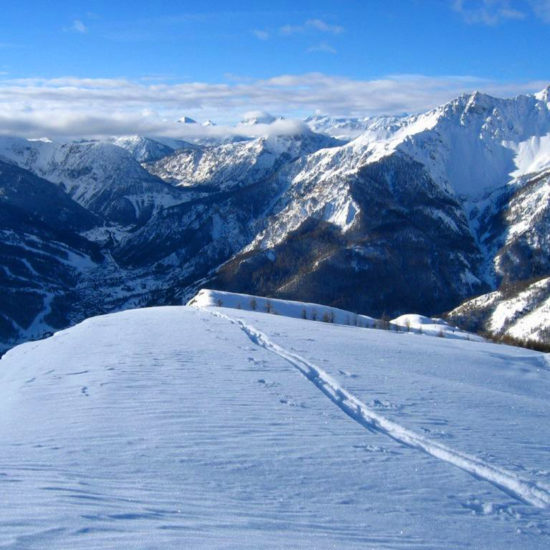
<point x="84" y="107"/>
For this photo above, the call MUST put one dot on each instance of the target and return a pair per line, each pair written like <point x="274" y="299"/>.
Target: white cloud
<point x="323" y="47"/>
<point x="78" y="26"/>
<point x="323" y="26"/>
<point x="488" y="12"/>
<point x="73" y="107"/>
<point x="541" y="9"/>
<point x="260" y="35"/>
<point x="494" y="12"/>
<point x="312" y="25"/>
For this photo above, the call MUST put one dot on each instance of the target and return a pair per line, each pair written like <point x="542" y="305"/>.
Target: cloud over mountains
<point x="85" y="107"/>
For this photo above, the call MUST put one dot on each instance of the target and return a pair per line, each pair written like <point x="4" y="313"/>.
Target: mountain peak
<point x="544" y="95"/>
<point x="258" y="117"/>
<point x="187" y="120"/>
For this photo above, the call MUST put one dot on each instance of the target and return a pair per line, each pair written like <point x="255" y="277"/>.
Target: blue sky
<point x="152" y="60"/>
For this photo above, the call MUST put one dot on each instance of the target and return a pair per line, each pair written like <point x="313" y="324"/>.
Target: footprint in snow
<point x="348" y="374"/>
<point x="480" y="508"/>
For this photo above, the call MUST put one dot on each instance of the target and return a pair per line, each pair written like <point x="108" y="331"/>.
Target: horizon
<point x="91" y="69"/>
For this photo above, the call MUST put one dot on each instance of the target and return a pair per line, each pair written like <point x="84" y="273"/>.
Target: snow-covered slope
<point x="348" y="128"/>
<point x="100" y="176"/>
<point x="184" y="428"/>
<point x="520" y="310"/>
<point x="414" y="323"/>
<point x="298" y="310"/>
<point x="470" y="145"/>
<point x="146" y="149"/>
<point x="239" y="163"/>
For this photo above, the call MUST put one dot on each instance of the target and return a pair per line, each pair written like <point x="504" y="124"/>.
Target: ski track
<point x="525" y="490"/>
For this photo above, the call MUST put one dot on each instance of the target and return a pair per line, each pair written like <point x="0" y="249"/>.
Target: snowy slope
<point x="146" y="149"/>
<point x="470" y="145"/>
<point x="184" y="428"/>
<point x="100" y="176"/>
<point x="239" y="163"/>
<point x="348" y="128"/>
<point x="521" y="311"/>
<point x="298" y="310"/>
<point x="414" y="323"/>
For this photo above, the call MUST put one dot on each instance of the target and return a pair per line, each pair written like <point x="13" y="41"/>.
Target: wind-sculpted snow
<point x="180" y="428"/>
<point x="526" y="490"/>
<point x="413" y="323"/>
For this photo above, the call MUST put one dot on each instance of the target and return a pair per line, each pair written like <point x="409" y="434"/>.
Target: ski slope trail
<point x="525" y="490"/>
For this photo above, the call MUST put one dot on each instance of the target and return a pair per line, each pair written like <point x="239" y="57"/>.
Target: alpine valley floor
<point x="183" y="427"/>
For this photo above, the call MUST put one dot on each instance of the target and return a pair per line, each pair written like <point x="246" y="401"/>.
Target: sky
<point x="119" y="67"/>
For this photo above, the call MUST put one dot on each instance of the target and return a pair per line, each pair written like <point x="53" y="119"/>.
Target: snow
<point x="257" y="117"/>
<point x="411" y="322"/>
<point x="532" y="155"/>
<point x="206" y="298"/>
<point x="183" y="427"/>
<point x="187" y="120"/>
<point x="502" y="139"/>
<point x="525" y="314"/>
<point x="421" y="324"/>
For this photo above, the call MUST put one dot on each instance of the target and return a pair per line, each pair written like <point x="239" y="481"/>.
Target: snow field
<point x="175" y="427"/>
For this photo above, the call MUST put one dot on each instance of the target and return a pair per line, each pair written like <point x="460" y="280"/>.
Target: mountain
<point x="182" y="427"/>
<point x="43" y="255"/>
<point x="365" y="239"/>
<point x="349" y="128"/>
<point x="427" y="211"/>
<point x="518" y="313"/>
<point x="146" y="149"/>
<point x="187" y="120"/>
<point x="253" y="118"/>
<point x="417" y="214"/>
<point x="102" y="177"/>
<point x="239" y="163"/>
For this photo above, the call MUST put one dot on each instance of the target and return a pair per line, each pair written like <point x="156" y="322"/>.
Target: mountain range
<point x="443" y="211"/>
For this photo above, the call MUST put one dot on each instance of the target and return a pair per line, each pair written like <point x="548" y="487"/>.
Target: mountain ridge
<point x="418" y="213"/>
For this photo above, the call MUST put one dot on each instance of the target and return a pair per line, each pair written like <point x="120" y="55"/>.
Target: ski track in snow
<point x="525" y="490"/>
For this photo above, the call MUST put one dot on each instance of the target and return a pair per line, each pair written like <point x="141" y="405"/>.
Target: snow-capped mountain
<point x="102" y="177"/>
<point x="417" y="214"/>
<point x="208" y="427"/>
<point x="253" y="118"/>
<point x="410" y="201"/>
<point x="368" y="239"/>
<point x="349" y="128"/>
<point x="187" y="120"/>
<point x="146" y="149"/>
<point x="518" y="311"/>
<point x="43" y="255"/>
<point x="240" y="163"/>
